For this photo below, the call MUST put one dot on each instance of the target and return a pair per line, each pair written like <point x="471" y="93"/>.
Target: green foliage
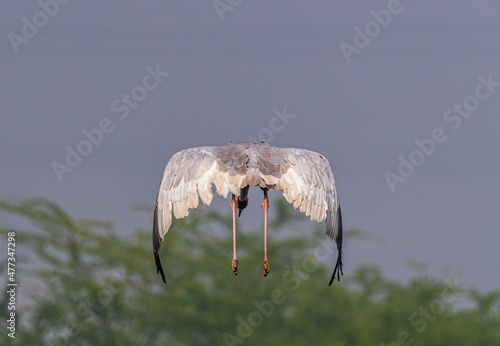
<point x="89" y="285"/>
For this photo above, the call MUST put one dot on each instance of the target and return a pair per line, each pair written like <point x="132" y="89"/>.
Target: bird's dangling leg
<point x="265" y="206"/>
<point x="234" y="263"/>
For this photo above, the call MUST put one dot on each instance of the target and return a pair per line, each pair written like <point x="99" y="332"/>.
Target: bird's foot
<point x="234" y="266"/>
<point x="267" y="267"/>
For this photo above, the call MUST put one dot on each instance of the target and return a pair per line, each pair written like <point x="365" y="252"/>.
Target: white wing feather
<point x="307" y="182"/>
<point x="188" y="177"/>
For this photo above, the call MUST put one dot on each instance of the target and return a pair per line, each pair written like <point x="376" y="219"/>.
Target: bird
<point x="304" y="177"/>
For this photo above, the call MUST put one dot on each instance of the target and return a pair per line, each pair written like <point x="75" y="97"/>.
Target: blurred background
<point x="361" y="82"/>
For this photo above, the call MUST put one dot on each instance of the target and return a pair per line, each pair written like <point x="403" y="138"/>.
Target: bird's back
<point x="250" y="159"/>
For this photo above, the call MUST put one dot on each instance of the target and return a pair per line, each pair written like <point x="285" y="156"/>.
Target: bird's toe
<point x="234" y="266"/>
<point x="267" y="267"/>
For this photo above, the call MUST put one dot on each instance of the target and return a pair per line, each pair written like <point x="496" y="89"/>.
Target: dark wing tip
<point x="338" y="240"/>
<point x="159" y="268"/>
<point x="338" y="266"/>
<point x="156" y="244"/>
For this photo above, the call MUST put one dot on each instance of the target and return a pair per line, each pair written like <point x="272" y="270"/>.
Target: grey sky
<point x="225" y="79"/>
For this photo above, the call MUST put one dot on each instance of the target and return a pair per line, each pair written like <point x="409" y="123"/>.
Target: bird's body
<point x="304" y="177"/>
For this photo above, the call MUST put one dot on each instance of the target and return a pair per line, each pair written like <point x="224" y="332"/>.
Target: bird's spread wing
<point x="305" y="177"/>
<point x="188" y="176"/>
<point x="307" y="182"/>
